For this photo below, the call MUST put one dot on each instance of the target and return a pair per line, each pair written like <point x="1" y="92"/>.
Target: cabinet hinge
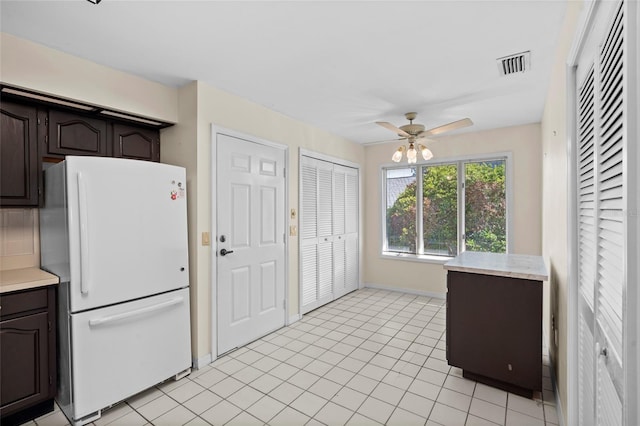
<point x="50" y="380"/>
<point x="49" y="325"/>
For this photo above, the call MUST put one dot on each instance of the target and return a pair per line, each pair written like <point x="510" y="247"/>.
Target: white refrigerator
<point x="115" y="232"/>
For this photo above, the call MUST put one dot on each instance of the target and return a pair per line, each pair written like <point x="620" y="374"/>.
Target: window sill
<point x="424" y="258"/>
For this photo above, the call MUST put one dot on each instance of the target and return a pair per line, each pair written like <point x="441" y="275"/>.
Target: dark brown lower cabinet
<point x="27" y="354"/>
<point x="494" y="330"/>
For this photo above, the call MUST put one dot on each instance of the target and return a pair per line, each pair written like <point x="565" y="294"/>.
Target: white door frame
<point x="219" y="130"/>
<point x="632" y="333"/>
<point x="319" y="156"/>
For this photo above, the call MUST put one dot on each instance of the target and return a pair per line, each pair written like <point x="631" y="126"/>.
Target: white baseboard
<point x="198" y="363"/>
<point x="554" y="381"/>
<point x="406" y="290"/>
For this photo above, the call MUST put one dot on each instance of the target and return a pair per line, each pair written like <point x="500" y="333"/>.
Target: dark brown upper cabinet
<point x="18" y="155"/>
<point x="136" y="143"/>
<point x="72" y="134"/>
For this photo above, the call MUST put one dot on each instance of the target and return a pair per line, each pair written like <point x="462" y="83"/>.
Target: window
<point x="445" y="208"/>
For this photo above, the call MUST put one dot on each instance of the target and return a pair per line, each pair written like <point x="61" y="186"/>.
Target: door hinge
<point x="284" y="304"/>
<point x="284" y="172"/>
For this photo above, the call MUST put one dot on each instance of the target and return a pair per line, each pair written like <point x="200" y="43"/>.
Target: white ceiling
<point x="337" y="65"/>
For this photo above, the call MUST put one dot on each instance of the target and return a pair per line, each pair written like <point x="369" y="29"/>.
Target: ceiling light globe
<point x="426" y="153"/>
<point x="397" y="156"/>
<point x="412" y="155"/>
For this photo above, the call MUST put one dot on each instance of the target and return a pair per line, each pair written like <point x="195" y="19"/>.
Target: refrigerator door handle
<point x="135" y="312"/>
<point x="84" y="235"/>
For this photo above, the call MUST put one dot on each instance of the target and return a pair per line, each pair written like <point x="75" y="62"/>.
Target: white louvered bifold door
<point x="328" y="231"/>
<point x="586" y="247"/>
<point x="325" y="232"/>
<point x="345" y="228"/>
<point x="316" y="233"/>
<point x="601" y="222"/>
<point x="610" y="279"/>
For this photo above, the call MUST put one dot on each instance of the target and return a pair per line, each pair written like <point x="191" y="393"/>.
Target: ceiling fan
<point x="414" y="132"/>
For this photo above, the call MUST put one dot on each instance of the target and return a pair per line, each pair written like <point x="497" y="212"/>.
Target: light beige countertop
<point x="26" y="278"/>
<point x="499" y="264"/>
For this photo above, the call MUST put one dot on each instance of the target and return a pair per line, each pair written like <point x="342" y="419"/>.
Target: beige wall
<point x="524" y="144"/>
<point x="19" y="238"/>
<point x="232" y="112"/>
<point x="554" y="202"/>
<point x="33" y="66"/>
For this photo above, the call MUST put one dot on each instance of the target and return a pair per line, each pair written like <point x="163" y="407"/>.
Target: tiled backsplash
<point x="19" y="238"/>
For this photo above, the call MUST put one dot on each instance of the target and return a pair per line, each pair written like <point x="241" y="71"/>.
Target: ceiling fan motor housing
<point x="412" y="129"/>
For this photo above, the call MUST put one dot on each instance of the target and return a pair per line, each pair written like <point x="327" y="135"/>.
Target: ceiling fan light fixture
<point x="417" y="133"/>
<point x="397" y="156"/>
<point x="412" y="155"/>
<point x="426" y="152"/>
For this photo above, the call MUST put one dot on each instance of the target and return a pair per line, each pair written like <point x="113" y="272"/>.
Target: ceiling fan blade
<point x="465" y="122"/>
<point x="393" y="128"/>
<point x="385" y="141"/>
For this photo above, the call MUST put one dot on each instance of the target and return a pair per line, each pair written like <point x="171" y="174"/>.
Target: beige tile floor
<point x="371" y="357"/>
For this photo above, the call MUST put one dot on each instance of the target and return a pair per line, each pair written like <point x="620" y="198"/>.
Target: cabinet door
<point x="24" y="358"/>
<point x="18" y="155"/>
<point x="136" y="143"/>
<point x="72" y="134"/>
<point x="494" y="329"/>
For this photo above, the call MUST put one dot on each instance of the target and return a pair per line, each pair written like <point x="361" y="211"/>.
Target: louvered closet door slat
<point x="339" y="265"/>
<point x="351" y="203"/>
<point x="325" y="270"/>
<point x="586" y="373"/>
<point x="309" y="199"/>
<point x="325" y="201"/>
<point x="586" y="194"/>
<point x="309" y="274"/>
<point x="609" y="405"/>
<point x="338" y="201"/>
<point x="351" y="250"/>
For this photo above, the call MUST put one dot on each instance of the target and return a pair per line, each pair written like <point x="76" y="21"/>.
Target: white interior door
<point x="250" y="241"/>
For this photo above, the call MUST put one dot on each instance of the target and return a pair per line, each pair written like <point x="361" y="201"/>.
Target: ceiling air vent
<point x="512" y="64"/>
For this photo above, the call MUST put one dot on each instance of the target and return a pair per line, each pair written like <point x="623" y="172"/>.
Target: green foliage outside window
<point x="485" y="210"/>
<point x="486" y="207"/>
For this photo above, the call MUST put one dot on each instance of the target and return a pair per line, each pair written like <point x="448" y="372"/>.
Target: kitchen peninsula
<point x="494" y="319"/>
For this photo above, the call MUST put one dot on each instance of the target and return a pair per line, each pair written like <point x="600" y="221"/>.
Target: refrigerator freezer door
<point x="127" y="230"/>
<point x="128" y="348"/>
